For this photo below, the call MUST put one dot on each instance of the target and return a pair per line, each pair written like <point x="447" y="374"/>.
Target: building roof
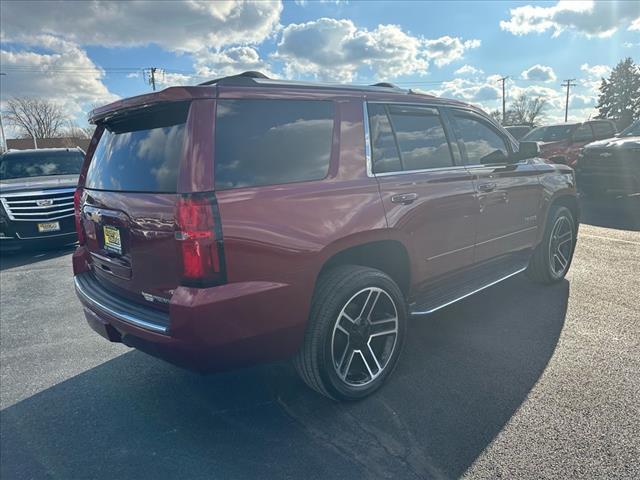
<point x="63" y="142"/>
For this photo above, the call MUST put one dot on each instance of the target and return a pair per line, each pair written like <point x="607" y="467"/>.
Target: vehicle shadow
<point x="622" y="213"/>
<point x="19" y="258"/>
<point x="465" y="372"/>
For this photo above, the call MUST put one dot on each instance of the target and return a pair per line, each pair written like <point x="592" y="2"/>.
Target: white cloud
<point x="468" y="70"/>
<point x="593" y="76"/>
<point x="230" y="61"/>
<point x="332" y="49"/>
<point x="600" y="19"/>
<point x="539" y="73"/>
<point x="185" y="26"/>
<point x="635" y="25"/>
<point x="446" y="49"/>
<point x="64" y="75"/>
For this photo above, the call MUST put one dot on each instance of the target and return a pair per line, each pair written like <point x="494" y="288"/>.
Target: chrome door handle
<point x="487" y="187"/>
<point x="404" y="198"/>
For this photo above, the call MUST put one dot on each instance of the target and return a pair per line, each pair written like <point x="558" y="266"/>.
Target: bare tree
<point x="36" y="117"/>
<point x="76" y="131"/>
<point x="526" y="110"/>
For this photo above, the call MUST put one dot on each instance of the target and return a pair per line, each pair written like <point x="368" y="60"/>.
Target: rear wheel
<point x="552" y="258"/>
<point x="355" y="333"/>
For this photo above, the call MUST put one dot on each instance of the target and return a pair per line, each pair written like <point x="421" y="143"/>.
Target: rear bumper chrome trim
<point x="114" y="311"/>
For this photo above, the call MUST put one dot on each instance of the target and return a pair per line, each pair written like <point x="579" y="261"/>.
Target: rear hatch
<point x="129" y="203"/>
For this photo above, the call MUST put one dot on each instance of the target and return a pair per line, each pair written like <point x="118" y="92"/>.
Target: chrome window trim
<point x="368" y="146"/>
<point x="367" y="140"/>
<point x="424" y="170"/>
<point x="119" y="315"/>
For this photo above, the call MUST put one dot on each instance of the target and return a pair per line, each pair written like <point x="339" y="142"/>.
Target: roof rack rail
<point x="240" y="78"/>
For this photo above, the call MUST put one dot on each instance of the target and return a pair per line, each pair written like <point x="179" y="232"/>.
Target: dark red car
<point x="563" y="142"/>
<point x="249" y="220"/>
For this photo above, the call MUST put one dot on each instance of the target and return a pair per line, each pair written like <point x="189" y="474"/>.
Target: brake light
<point x="199" y="238"/>
<point x="77" y="207"/>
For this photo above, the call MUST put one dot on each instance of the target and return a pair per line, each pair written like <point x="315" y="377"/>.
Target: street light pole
<point x="4" y="139"/>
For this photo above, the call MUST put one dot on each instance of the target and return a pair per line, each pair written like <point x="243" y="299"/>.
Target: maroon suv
<point x="249" y="220"/>
<point x="562" y="143"/>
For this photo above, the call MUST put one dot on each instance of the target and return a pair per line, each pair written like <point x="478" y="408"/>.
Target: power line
<point x="570" y="82"/>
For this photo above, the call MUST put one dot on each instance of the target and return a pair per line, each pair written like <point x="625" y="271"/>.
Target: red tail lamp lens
<point x="197" y="239"/>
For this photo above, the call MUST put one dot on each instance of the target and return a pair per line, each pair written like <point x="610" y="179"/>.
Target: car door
<point x="428" y="195"/>
<point x="508" y="193"/>
<point x="581" y="136"/>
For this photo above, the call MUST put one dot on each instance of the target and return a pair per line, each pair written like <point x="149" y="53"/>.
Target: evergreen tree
<point x="619" y="97"/>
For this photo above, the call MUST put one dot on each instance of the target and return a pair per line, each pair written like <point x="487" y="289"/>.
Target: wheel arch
<point x="387" y="255"/>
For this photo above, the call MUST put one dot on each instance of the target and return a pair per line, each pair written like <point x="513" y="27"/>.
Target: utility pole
<point x="504" y="105"/>
<point x="570" y="82"/>
<point x="3" y="145"/>
<point x="152" y="78"/>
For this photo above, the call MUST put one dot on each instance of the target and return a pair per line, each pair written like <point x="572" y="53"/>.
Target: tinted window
<point x="421" y="138"/>
<point x="482" y="143"/>
<point x="549" y="134"/>
<point x="632" y="130"/>
<point x="40" y="164"/>
<point x="583" y="133"/>
<point x="384" y="153"/>
<point x="603" y="129"/>
<point x="267" y="142"/>
<point x="140" y="153"/>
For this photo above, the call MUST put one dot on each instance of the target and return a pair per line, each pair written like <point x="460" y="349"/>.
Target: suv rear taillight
<point x="77" y="207"/>
<point x="199" y="239"/>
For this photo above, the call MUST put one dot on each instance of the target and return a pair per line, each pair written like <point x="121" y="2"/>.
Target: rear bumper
<point x="209" y="329"/>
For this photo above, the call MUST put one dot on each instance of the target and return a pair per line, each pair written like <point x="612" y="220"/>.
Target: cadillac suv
<point x="36" y="197"/>
<point x="249" y="220"/>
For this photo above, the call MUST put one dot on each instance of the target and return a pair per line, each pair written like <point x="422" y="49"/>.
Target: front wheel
<point x="355" y="333"/>
<point x="552" y="258"/>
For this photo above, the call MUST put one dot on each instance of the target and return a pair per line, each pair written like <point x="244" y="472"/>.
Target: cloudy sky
<point x="87" y="53"/>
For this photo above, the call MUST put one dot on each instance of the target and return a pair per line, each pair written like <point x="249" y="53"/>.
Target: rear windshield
<point x="140" y="152"/>
<point x="40" y="164"/>
<point x="549" y="134"/>
<point x="268" y="142"/>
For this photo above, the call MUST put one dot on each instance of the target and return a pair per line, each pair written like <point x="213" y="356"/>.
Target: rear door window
<point x="421" y="138"/>
<point x="407" y="138"/>
<point x="269" y="142"/>
<point x="384" y="152"/>
<point x="482" y="143"/>
<point x="140" y="152"/>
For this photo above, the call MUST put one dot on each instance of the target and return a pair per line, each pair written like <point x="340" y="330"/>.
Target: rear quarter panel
<point x="285" y="233"/>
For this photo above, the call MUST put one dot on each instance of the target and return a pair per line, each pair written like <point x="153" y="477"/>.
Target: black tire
<point x="542" y="268"/>
<point x="336" y="290"/>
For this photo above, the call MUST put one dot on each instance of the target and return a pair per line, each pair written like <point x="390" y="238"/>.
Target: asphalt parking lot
<point x="519" y="381"/>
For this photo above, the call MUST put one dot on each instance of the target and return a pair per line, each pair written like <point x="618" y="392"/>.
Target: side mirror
<point x="527" y="150"/>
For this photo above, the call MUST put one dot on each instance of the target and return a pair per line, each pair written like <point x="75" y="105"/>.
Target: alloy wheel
<point x="364" y="337"/>
<point x="560" y="246"/>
